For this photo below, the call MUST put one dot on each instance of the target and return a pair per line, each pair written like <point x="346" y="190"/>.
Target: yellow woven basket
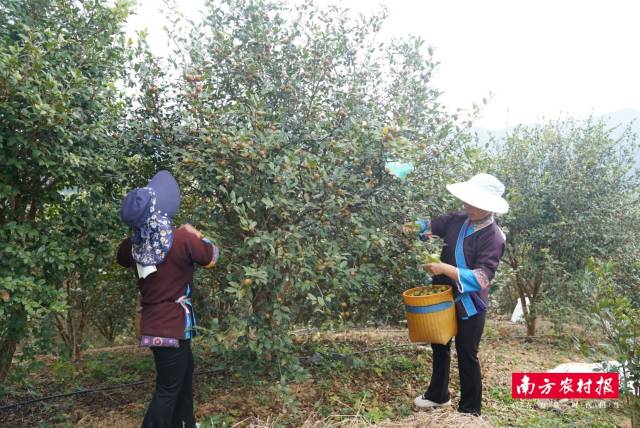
<point x="431" y="319"/>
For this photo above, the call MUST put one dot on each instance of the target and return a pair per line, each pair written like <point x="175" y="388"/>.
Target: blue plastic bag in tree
<point x="399" y="169"/>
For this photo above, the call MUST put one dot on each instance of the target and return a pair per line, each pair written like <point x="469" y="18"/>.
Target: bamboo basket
<point x="431" y="319"/>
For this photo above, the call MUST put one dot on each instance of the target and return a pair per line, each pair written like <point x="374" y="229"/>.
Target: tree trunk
<point x="77" y="352"/>
<point x="7" y="350"/>
<point x="530" y="316"/>
<point x="527" y="310"/>
<point x="71" y="325"/>
<point x="531" y="325"/>
<point x="16" y="324"/>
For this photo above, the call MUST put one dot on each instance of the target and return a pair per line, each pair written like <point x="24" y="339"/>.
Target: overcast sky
<point x="539" y="58"/>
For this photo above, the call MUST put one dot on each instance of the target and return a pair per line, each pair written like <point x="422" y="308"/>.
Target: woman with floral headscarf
<point x="163" y="259"/>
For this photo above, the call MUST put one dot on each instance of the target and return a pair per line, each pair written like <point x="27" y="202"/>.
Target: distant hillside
<point x="619" y="119"/>
<point x="622" y="117"/>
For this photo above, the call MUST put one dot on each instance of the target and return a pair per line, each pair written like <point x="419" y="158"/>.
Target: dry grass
<point x="351" y="398"/>
<point x="124" y="417"/>
<point x="441" y="417"/>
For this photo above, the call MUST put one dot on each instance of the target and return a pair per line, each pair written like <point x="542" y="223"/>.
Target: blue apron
<point x="464" y="304"/>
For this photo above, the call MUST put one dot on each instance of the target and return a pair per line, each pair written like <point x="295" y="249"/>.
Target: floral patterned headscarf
<point x="153" y="239"/>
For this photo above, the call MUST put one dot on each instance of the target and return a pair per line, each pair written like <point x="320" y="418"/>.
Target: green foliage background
<point x="277" y="119"/>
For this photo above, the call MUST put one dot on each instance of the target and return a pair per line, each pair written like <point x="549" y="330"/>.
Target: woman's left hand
<point x="191" y="229"/>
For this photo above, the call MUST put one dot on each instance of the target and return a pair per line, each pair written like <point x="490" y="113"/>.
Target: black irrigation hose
<point x="399" y="345"/>
<point x="333" y="355"/>
<point x="99" y="389"/>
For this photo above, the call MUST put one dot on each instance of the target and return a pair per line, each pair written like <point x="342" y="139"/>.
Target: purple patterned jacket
<point x="482" y="246"/>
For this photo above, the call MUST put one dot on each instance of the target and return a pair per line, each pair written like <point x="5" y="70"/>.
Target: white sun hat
<point x="482" y="191"/>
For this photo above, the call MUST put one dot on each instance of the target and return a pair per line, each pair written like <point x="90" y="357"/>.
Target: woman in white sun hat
<point x="473" y="247"/>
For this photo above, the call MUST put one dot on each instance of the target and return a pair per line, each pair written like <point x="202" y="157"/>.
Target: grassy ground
<point x="364" y="389"/>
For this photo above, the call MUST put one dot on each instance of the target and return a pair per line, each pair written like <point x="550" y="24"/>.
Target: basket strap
<point x="428" y="309"/>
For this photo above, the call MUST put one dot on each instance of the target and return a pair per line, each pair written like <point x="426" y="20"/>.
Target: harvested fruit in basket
<point x="429" y="290"/>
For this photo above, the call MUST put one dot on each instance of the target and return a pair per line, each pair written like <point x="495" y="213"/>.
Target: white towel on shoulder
<point x="145" y="271"/>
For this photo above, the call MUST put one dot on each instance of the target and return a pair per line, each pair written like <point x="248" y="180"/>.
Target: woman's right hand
<point x="410" y="228"/>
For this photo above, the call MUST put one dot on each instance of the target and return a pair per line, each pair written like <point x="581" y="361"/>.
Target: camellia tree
<point x="617" y="317"/>
<point x="278" y="122"/>
<point x="573" y="194"/>
<point x="83" y="232"/>
<point x="59" y="136"/>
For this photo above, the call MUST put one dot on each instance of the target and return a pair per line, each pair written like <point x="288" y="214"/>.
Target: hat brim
<point x="167" y="192"/>
<point x="478" y="198"/>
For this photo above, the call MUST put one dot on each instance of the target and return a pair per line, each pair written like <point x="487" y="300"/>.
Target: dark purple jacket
<point x="483" y="246"/>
